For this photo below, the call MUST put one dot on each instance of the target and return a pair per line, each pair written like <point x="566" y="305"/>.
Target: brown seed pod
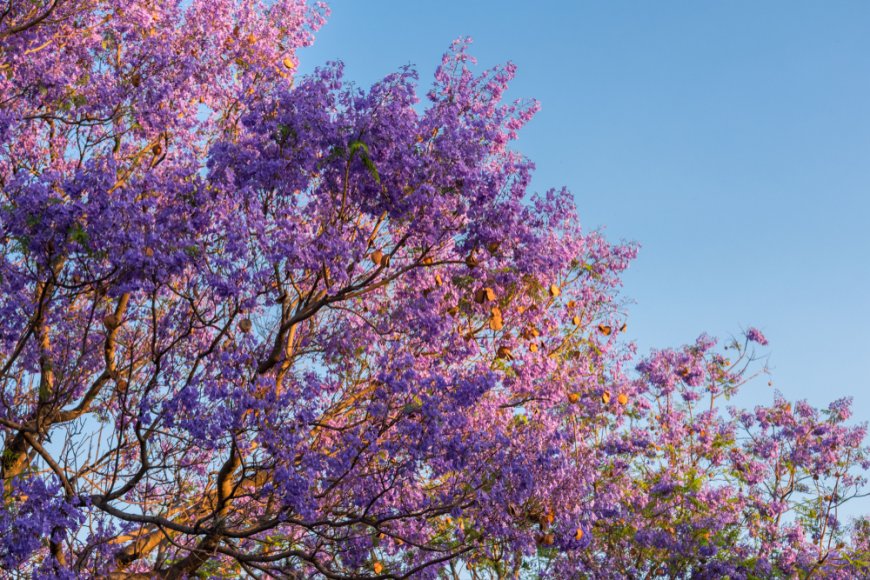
<point x="548" y="539"/>
<point x="533" y="347"/>
<point x="428" y="261"/>
<point x="377" y="257"/>
<point x="573" y="397"/>
<point x="576" y="320"/>
<point x="245" y="325"/>
<point x="111" y="321"/>
<point x="156" y="149"/>
<point x="505" y="353"/>
<point x="471" y="261"/>
<point x="288" y="63"/>
<point x="555" y="290"/>
<point x="438" y="280"/>
<point x="496" y="324"/>
<point x="492" y="247"/>
<point x="622" y="399"/>
<point x="605" y="397"/>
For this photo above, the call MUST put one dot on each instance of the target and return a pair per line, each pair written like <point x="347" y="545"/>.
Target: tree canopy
<point x="254" y="323"/>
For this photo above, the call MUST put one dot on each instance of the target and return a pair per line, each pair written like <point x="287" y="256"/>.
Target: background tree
<point x="276" y="326"/>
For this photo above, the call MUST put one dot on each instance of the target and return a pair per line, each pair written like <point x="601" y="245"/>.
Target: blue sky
<point x="730" y="139"/>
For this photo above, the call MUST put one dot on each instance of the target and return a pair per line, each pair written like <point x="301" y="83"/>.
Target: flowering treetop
<point x="257" y="323"/>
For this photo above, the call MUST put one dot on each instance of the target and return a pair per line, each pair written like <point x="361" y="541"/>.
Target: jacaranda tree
<point x="259" y="324"/>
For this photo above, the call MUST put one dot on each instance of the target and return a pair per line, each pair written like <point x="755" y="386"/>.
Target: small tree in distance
<point x="259" y="324"/>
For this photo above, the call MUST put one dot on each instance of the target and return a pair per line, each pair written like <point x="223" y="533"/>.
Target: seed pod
<point x="156" y="149"/>
<point x="530" y="333"/>
<point x="573" y="397"/>
<point x="376" y="257"/>
<point x="555" y="290"/>
<point x="576" y="320"/>
<point x="533" y="347"/>
<point x="428" y="261"/>
<point x="622" y="399"/>
<point x="496" y="324"/>
<point x="471" y="261"/>
<point x="492" y="247"/>
<point x="484" y="295"/>
<point x="288" y="63"/>
<point x="578" y="535"/>
<point x="605" y="397"/>
<point x="377" y="567"/>
<point x="111" y="321"/>
<point x="548" y="539"/>
<point x="245" y="325"/>
<point x="504" y="352"/>
<point x="438" y="280"/>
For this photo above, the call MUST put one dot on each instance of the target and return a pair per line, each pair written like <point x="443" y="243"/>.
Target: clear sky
<point x="730" y="139"/>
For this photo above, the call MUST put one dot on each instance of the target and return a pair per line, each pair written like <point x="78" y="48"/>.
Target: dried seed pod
<point x="605" y="397"/>
<point x="111" y="321"/>
<point x="156" y="149"/>
<point x="555" y="290"/>
<point x="505" y="353"/>
<point x="428" y="261"/>
<point x="288" y="63"/>
<point x="576" y="320"/>
<point x="492" y="247"/>
<point x="573" y="397"/>
<point x="622" y="398"/>
<point x="533" y="347"/>
<point x="471" y="261"/>
<point x="376" y="257"/>
<point x="245" y="325"/>
<point x="484" y="295"/>
<point x="548" y="539"/>
<point x="578" y="535"/>
<point x="496" y="324"/>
